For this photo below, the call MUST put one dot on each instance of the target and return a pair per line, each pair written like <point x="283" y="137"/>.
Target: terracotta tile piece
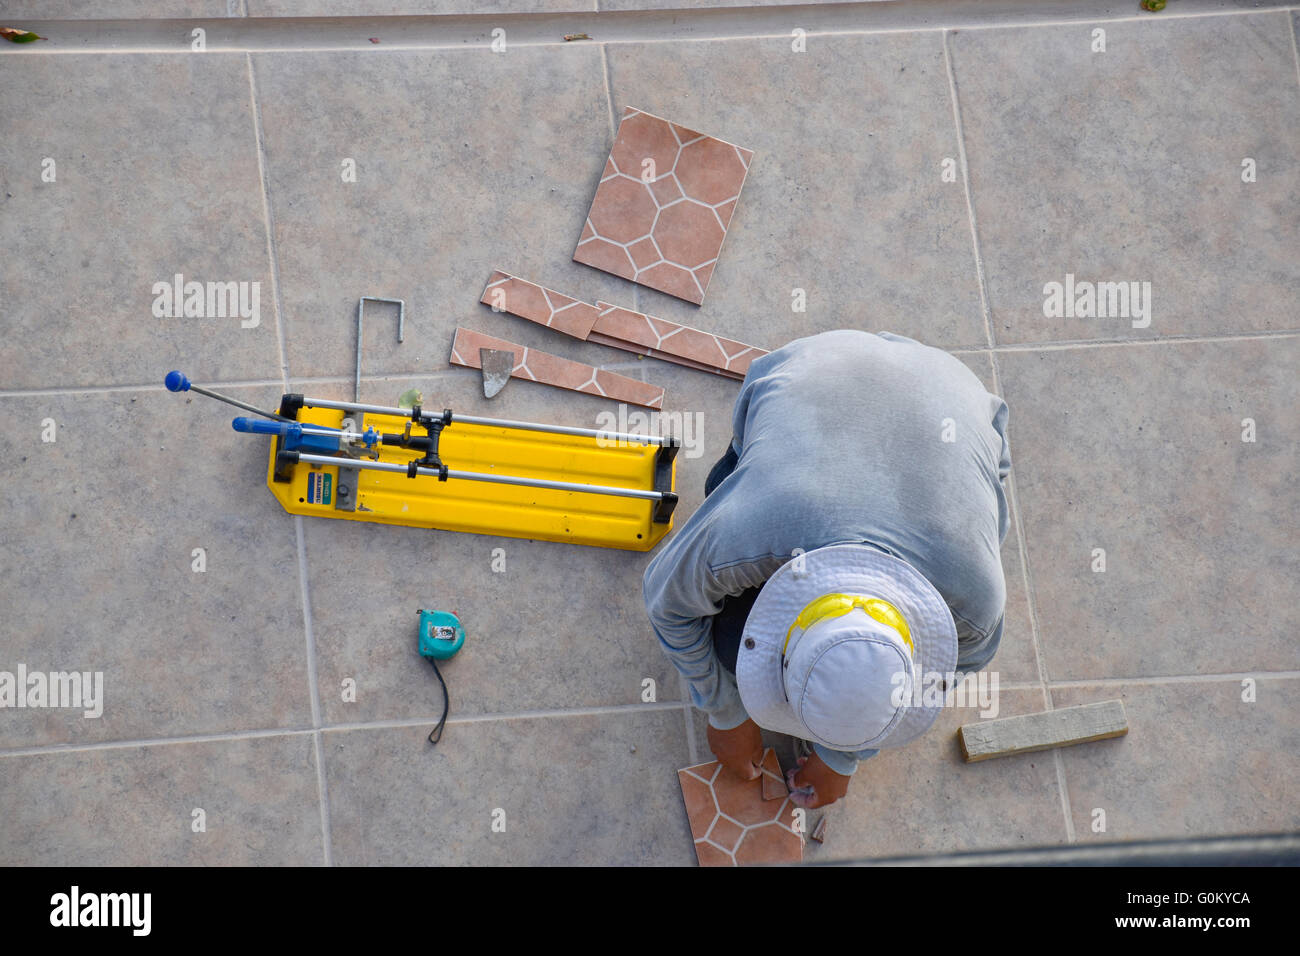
<point x="774" y="787"/>
<point x="675" y="341"/>
<point x="550" y="369"/>
<point x="608" y="324"/>
<point x="725" y="833"/>
<point x="598" y="339"/>
<point x="731" y="823"/>
<point x="528" y="300"/>
<point x="663" y="205"/>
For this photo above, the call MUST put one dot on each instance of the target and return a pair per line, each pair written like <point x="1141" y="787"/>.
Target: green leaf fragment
<point x="19" y="36"/>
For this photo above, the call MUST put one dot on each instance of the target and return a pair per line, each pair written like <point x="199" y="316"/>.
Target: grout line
<point x="1162" y="340"/>
<point x="347" y="379"/>
<point x="1022" y="547"/>
<point x="1178" y="679"/>
<point x="314" y="688"/>
<point x="1291" y="21"/>
<point x="48" y="749"/>
<point x="269" y="219"/>
<point x="322" y="790"/>
<point x="609" y="709"/>
<point x="980" y="278"/>
<point x="612" y="709"/>
<point x="1070" y="835"/>
<point x="609" y="98"/>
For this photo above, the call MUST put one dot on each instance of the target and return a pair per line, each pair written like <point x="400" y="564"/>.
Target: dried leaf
<point x="14" y="35"/>
<point x="570" y="37"/>
<point x="410" y="398"/>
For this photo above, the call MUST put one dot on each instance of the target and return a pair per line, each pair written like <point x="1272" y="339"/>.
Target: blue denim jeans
<point x="729" y="623"/>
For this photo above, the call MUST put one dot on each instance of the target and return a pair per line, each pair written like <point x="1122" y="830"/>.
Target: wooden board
<point x="1053" y="728"/>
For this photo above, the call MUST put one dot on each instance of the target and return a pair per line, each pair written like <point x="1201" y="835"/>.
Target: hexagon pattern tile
<point x="663" y="205"/>
<point x="537" y="366"/>
<point x="731" y="823"/>
<point x="606" y="324"/>
<point x="672" y="341"/>
<point x="528" y="300"/>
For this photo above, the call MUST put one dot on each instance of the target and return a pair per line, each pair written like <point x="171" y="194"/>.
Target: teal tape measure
<point x="441" y="636"/>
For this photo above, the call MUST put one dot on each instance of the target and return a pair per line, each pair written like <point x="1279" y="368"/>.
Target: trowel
<point x="497" y="365"/>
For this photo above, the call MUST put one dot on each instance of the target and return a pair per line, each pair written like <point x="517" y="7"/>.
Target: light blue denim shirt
<point x="845" y="436"/>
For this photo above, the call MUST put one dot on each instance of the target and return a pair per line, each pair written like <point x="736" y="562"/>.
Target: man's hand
<point x="813" y="784"/>
<point x="740" y="749"/>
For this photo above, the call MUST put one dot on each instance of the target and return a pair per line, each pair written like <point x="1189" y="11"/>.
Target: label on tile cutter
<point x="318" y="488"/>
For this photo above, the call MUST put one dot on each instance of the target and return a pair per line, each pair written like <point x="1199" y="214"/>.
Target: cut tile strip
<point x="731" y="823"/>
<point x="597" y="339"/>
<point x="663" y="205"/>
<point x="774" y="787"/>
<point x="528" y="300"/>
<point x="608" y="324"/>
<point x="819" y="831"/>
<point x="1052" y="728"/>
<point x="676" y="342"/>
<point x="535" y="366"/>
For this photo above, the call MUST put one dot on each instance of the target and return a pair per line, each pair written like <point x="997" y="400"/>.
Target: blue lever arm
<point x="294" y="437"/>
<point x="258" y="426"/>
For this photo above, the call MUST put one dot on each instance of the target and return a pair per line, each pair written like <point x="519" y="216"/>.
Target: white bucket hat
<point x="834" y="647"/>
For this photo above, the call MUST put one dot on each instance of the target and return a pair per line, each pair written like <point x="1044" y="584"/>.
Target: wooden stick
<point x="1052" y="728"/>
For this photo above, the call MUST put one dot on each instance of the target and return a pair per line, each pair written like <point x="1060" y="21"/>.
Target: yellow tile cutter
<point x="517" y="479"/>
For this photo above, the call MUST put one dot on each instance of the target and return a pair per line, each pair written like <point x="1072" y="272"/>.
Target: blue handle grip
<point x="176" y="382"/>
<point x="260" y="426"/>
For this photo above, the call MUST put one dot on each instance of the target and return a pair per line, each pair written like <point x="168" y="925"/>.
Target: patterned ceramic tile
<point x="676" y="342"/>
<point x="550" y="369"/>
<point x="606" y="324"/>
<point x="663" y="205"/>
<point x="528" y="300"/>
<point x="731" y="823"/>
<point x="597" y="339"/>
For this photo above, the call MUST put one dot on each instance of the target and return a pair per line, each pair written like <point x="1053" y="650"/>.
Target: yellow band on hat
<point x="835" y="605"/>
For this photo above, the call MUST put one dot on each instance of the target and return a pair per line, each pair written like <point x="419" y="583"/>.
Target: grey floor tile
<point x="117" y="9"/>
<point x="573" y="791"/>
<point x="96" y="573"/>
<point x="1138" y="450"/>
<point x="844" y="197"/>
<point x="1197" y="761"/>
<point x="1127" y="167"/>
<point x="923" y="798"/>
<point x="156" y="174"/>
<point x="559" y="626"/>
<point x="390" y="8"/>
<point x="703" y="4"/>
<point x="134" y="806"/>
<point x="443" y="195"/>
